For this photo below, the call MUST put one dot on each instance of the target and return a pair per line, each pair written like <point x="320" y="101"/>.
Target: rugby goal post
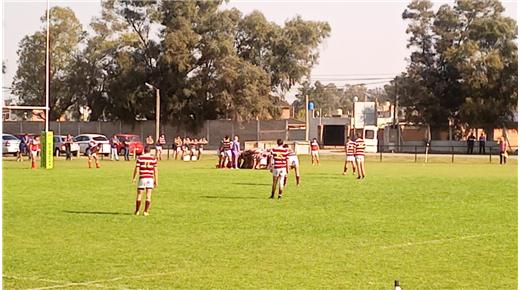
<point x="47" y="138"/>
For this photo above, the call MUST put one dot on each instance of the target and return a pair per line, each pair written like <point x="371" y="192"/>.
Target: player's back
<point x="360" y="147"/>
<point x="350" y="147"/>
<point x="146" y="164"/>
<point x="280" y="155"/>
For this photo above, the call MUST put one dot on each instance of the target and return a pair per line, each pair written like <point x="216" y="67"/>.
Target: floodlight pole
<point x="306" y="117"/>
<point x="157" y="109"/>
<point x="47" y="70"/>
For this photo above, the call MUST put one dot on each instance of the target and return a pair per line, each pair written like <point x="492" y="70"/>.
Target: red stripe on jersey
<point x="280" y="155"/>
<point x="315" y="146"/>
<point x="162" y="140"/>
<point x="146" y="165"/>
<point x="351" y="148"/>
<point x="226" y="145"/>
<point x="360" y="147"/>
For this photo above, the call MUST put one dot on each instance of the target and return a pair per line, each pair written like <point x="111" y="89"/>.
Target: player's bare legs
<point x="273" y="188"/>
<point x="297" y="172"/>
<point x="345" y="168"/>
<point x="138" y="200"/>
<point x="148" y="201"/>
<point x="361" y="168"/>
<point x="281" y="185"/>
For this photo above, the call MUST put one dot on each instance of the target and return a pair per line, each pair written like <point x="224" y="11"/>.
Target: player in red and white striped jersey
<point x="148" y="179"/>
<point x="360" y="156"/>
<point x="279" y="167"/>
<point x="226" y="152"/>
<point x="294" y="163"/>
<point x="159" y="146"/>
<point x="315" y="147"/>
<point x="92" y="151"/>
<point x="350" y="149"/>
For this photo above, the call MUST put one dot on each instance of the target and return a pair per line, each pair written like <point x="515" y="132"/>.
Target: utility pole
<point x="306" y="117"/>
<point x="157" y="109"/>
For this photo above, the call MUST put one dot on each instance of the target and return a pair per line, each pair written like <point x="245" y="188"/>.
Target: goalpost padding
<point x="47" y="158"/>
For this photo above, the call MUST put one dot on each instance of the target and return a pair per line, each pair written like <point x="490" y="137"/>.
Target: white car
<point x="59" y="146"/>
<point x="10" y="144"/>
<point x="84" y="139"/>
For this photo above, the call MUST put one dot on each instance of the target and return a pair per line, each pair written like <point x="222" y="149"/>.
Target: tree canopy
<point x="463" y="65"/>
<point x="208" y="62"/>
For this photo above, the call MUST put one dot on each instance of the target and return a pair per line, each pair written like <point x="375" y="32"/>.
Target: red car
<point x="135" y="143"/>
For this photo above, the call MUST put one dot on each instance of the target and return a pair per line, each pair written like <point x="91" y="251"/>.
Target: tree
<point x="66" y="34"/>
<point x="463" y="65"/>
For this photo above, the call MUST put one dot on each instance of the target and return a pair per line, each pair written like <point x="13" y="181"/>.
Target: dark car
<point x="134" y="142"/>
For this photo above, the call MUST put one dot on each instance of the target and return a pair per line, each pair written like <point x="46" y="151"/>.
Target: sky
<point x="368" y="38"/>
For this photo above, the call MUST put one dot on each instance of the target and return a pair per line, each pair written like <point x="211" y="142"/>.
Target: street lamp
<point x="354" y="115"/>
<point x="157" y="108"/>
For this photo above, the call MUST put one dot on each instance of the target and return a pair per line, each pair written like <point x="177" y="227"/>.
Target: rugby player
<point x="92" y="151"/>
<point x="294" y="163"/>
<point x="148" y="179"/>
<point x="315" y="147"/>
<point x="159" y="146"/>
<point x="34" y="145"/>
<point x="279" y="166"/>
<point x="360" y="156"/>
<point x="350" y="149"/>
<point x="226" y="149"/>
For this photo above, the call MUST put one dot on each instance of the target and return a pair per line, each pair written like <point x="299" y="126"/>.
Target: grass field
<point x="434" y="226"/>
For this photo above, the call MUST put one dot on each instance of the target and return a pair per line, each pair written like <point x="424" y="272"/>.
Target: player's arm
<point x="135" y="173"/>
<point x="155" y="176"/>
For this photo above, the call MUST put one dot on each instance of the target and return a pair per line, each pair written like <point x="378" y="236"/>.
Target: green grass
<point x="434" y="226"/>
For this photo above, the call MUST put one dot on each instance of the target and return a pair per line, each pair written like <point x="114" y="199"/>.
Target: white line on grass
<point x="32" y="279"/>
<point x="409" y="244"/>
<point x="97" y="283"/>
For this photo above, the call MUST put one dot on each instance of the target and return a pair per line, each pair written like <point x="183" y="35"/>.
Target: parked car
<point x="84" y="139"/>
<point x="10" y="144"/>
<point x="135" y="143"/>
<point x="59" y="146"/>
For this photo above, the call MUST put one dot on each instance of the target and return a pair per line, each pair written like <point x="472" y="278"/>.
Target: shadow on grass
<point x="249" y="183"/>
<point x="97" y="212"/>
<point x="229" y="197"/>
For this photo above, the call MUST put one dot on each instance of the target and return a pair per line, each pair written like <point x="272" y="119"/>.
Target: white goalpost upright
<point x="47" y="160"/>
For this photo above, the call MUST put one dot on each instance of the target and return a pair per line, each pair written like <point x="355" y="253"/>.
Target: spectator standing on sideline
<point x="126" y="144"/>
<point x="113" y="148"/>
<point x="502" y="146"/>
<point x="471" y="143"/>
<point x="24" y="144"/>
<point x="235" y="151"/>
<point x="68" y="145"/>
<point x="482" y="144"/>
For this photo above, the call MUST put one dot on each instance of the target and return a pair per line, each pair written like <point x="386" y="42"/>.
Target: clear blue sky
<point x="368" y="38"/>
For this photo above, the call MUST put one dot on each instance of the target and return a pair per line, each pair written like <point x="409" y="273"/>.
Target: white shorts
<point x="145" y="183"/>
<point x="293" y="161"/>
<point x="34" y="153"/>
<point x="93" y="155"/>
<point x="350" y="158"/>
<point x="178" y="149"/>
<point x="360" y="158"/>
<point x="227" y="153"/>
<point x="279" y="172"/>
<point x="158" y="147"/>
<point x="314" y="153"/>
<point x="263" y="161"/>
